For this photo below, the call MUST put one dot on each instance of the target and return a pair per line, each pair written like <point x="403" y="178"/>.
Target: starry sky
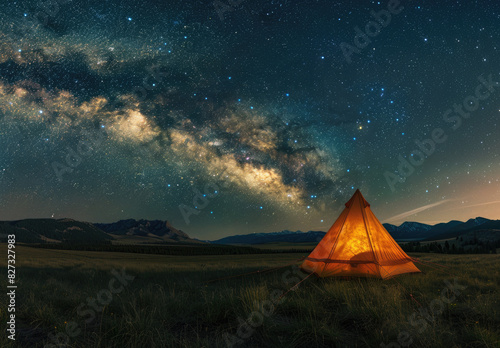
<point x="238" y="116"/>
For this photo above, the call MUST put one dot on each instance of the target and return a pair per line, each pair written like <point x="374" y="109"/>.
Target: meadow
<point x="171" y="303"/>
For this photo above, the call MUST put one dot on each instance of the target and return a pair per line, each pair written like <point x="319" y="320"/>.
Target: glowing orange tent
<point x="358" y="245"/>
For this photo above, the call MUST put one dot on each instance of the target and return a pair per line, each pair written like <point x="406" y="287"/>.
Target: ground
<point x="170" y="303"/>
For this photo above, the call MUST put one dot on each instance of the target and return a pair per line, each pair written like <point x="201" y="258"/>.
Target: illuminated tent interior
<point x="358" y="245"/>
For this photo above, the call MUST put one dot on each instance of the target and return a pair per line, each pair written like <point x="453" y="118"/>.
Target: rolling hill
<point x="145" y="231"/>
<point x="51" y="230"/>
<point x="72" y="231"/>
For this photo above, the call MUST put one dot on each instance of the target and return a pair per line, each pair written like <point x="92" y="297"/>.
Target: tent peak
<point x="357" y="195"/>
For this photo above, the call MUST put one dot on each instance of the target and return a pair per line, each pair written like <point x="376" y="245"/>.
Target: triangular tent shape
<point x="358" y="245"/>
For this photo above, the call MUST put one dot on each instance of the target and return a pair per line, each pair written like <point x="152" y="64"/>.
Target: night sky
<point x="235" y="117"/>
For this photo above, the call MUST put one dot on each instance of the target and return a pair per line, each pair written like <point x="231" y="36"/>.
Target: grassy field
<point x="168" y="303"/>
<point x="279" y="246"/>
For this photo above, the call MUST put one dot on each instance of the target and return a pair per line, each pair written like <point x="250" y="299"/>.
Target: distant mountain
<point x="159" y="232"/>
<point x="408" y="231"/>
<point x="445" y="226"/>
<point x="390" y="228"/>
<point x="418" y="231"/>
<point x="51" y="230"/>
<point x="273" y="237"/>
<point x="472" y="225"/>
<point x="145" y="230"/>
<point x="69" y="230"/>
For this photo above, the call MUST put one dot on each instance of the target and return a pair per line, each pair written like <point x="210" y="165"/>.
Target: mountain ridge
<point x="131" y="231"/>
<point x="68" y="230"/>
<point x="407" y="231"/>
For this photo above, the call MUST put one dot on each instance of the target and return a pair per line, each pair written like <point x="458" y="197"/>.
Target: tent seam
<point x="338" y="236"/>
<point x="370" y="239"/>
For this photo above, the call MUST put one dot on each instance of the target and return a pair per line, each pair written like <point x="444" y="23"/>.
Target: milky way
<point x="238" y="117"/>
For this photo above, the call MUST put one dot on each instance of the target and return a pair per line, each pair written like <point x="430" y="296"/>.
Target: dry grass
<point x="169" y="305"/>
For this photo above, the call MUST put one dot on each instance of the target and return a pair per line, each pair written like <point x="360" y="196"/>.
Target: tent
<point x="358" y="245"/>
